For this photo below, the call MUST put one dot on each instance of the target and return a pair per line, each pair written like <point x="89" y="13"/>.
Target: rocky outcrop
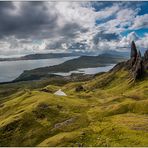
<point x="79" y="88"/>
<point x="138" y="68"/>
<point x="146" y="56"/>
<point x="136" y="65"/>
<point x="136" y="62"/>
<point x="133" y="50"/>
<point x="145" y="60"/>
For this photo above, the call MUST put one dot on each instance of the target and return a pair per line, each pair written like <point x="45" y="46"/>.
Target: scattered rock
<point x="59" y="106"/>
<point x="1" y="105"/>
<point x="92" y="105"/>
<point x="11" y="127"/>
<point x="140" y="128"/>
<point x="46" y="90"/>
<point x="79" y="88"/>
<point x="64" y="123"/>
<point x="40" y="111"/>
<point x="83" y="133"/>
<point x="43" y="106"/>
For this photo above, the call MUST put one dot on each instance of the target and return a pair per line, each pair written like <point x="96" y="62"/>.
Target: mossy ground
<point x="110" y="111"/>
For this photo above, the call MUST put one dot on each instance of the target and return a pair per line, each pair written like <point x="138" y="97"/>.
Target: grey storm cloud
<point x="31" y="19"/>
<point x="105" y="36"/>
<point x="37" y="26"/>
<point x="55" y="45"/>
<point x="78" y="46"/>
<point x="71" y="29"/>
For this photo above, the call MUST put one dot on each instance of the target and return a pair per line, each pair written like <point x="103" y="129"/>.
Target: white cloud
<point x="143" y="42"/>
<point x="140" y="22"/>
<point x="76" y="23"/>
<point x="123" y="19"/>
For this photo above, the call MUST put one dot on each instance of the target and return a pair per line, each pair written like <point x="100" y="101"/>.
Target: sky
<point x="44" y="27"/>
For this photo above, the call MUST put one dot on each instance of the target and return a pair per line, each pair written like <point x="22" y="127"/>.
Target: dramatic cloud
<point x="31" y="27"/>
<point x="140" y="22"/>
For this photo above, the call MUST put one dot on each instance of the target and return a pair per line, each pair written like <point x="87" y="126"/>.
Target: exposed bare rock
<point x="146" y="55"/>
<point x="136" y="65"/>
<point x="138" y="68"/>
<point x="79" y="88"/>
<point x="133" y="50"/>
<point x="64" y="123"/>
<point x="145" y="60"/>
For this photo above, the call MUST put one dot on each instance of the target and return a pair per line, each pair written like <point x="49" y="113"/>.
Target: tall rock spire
<point x="133" y="50"/>
<point x="146" y="55"/>
<point x="137" y="62"/>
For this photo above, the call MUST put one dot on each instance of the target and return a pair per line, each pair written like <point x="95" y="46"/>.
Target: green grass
<point x="110" y="111"/>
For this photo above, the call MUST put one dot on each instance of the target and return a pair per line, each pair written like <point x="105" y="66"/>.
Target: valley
<point x="70" y="65"/>
<point x="106" y="109"/>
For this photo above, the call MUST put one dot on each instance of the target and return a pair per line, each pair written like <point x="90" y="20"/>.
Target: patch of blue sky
<point x="100" y="5"/>
<point x="100" y="21"/>
<point x="143" y="8"/>
<point x="139" y="32"/>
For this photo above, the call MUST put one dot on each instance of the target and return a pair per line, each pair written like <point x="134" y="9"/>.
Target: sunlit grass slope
<point x="108" y="111"/>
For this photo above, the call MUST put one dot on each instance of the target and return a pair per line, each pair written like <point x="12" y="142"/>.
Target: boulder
<point x="79" y="88"/>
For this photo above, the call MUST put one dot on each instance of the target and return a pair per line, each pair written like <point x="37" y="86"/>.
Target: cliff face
<point x="136" y="65"/>
<point x="145" y="60"/>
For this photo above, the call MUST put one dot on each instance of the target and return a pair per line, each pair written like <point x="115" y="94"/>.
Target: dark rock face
<point x="133" y="50"/>
<point x="79" y="88"/>
<point x="136" y="65"/>
<point x="146" y="55"/>
<point x="138" y="68"/>
<point x="145" y="60"/>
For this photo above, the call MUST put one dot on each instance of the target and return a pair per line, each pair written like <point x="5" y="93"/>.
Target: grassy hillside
<point x="109" y="110"/>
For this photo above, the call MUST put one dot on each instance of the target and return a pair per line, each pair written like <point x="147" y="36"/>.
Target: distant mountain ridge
<point x="102" y="110"/>
<point x="40" y="56"/>
<point x="61" y="55"/>
<point x="70" y="65"/>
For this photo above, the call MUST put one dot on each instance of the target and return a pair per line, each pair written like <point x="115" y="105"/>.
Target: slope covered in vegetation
<point x="109" y="110"/>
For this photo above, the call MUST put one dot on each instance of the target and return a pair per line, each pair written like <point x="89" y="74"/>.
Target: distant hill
<point x="40" y="56"/>
<point x="60" y="55"/>
<point x="70" y="65"/>
<point x="103" y="110"/>
<point x="117" y="53"/>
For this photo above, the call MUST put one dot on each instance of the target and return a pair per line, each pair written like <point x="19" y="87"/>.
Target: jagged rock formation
<point x="146" y="55"/>
<point x="145" y="60"/>
<point x="137" y="68"/>
<point x="133" y="50"/>
<point x="136" y="65"/>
